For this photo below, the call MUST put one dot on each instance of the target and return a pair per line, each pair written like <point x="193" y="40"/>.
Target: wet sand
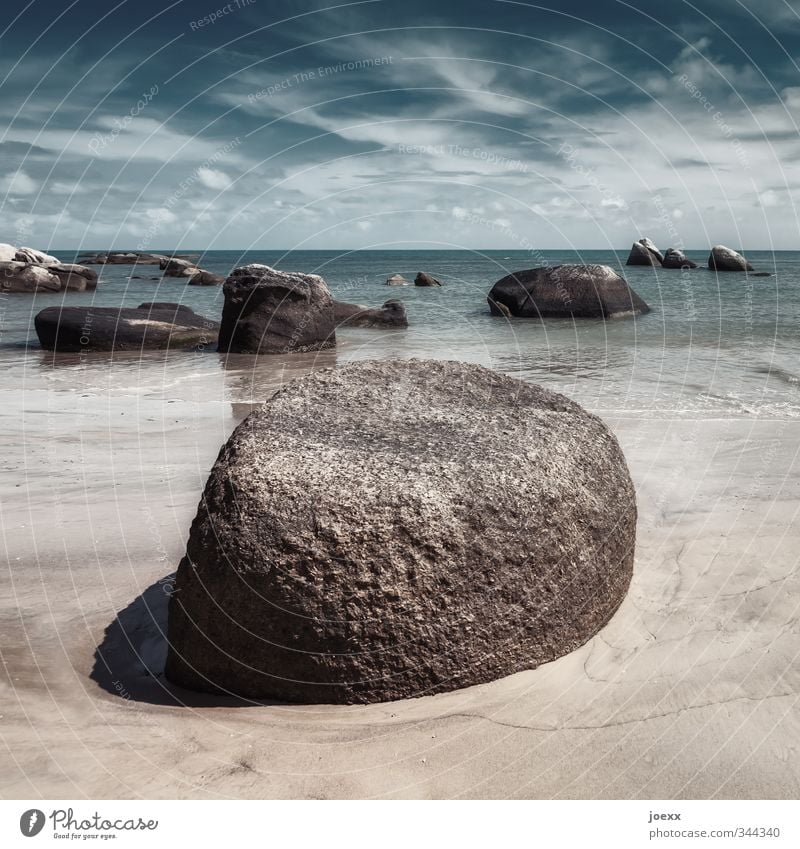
<point x="690" y="692"/>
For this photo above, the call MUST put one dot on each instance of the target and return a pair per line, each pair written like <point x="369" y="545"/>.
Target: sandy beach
<point x="691" y="691"/>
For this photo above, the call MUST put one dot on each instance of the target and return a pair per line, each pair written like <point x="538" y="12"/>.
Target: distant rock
<point x="726" y="259"/>
<point x="150" y="326"/>
<point x="396" y="280"/>
<point x="174" y="267"/>
<point x="206" y="278"/>
<point x="388" y="530"/>
<point x="674" y="258"/>
<point x="579" y="291"/>
<point x="391" y="314"/>
<point x="267" y="311"/>
<point x="644" y="252"/>
<point x="424" y="279"/>
<point x="129" y="258"/>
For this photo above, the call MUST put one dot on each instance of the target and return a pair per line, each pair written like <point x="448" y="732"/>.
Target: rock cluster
<point x="394" y="529"/>
<point x="29" y="270"/>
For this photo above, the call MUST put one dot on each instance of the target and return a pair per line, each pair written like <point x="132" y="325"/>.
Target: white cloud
<point x="218" y="180"/>
<point x="18" y="183"/>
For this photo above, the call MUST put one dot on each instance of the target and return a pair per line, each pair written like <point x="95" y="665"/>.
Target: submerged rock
<point x="206" y="278"/>
<point x="579" y="291"/>
<point x="423" y="279"/>
<point x="275" y="312"/>
<point x="156" y="325"/>
<point x="644" y="252"/>
<point x="395" y="529"/>
<point x="674" y="258"/>
<point x="391" y="314"/>
<point x="726" y="259"/>
<point x="396" y="280"/>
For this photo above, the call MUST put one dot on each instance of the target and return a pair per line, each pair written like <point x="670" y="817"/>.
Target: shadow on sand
<point x="129" y="662"/>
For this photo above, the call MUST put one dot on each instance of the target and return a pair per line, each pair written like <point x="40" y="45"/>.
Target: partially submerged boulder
<point x="206" y="278"/>
<point x="424" y="279"/>
<point x="267" y="311"/>
<point x="577" y="291"/>
<point x="156" y="325"/>
<point x="395" y="529"/>
<point x="726" y="259"/>
<point x="644" y="252"/>
<point x="77" y="278"/>
<point x="396" y="280"/>
<point x="675" y="258"/>
<point x="129" y="258"/>
<point x="391" y="314"/>
<point x="29" y="270"/>
<point x="174" y="267"/>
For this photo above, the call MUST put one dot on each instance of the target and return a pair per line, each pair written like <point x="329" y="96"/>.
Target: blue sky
<point x="413" y="124"/>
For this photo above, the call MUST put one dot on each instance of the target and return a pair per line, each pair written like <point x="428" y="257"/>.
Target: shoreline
<point x="688" y="692"/>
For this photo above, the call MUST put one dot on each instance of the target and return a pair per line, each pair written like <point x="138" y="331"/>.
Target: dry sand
<point x="690" y="692"/>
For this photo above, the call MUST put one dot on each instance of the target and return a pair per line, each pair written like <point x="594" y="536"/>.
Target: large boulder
<point x="391" y="314"/>
<point x="726" y="259"/>
<point x="267" y="311"/>
<point x="396" y="280"/>
<point x="77" y="278"/>
<point x="394" y="529"/>
<point x="675" y="258"/>
<point x="25" y="277"/>
<point x="157" y="325"/>
<point x="424" y="279"/>
<point x="644" y="252"/>
<point x="578" y="291"/>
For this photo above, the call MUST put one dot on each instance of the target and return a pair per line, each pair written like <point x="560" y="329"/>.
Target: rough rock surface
<point x="157" y="325"/>
<point x="128" y="258"/>
<point x="644" y="252"/>
<point x="580" y="291"/>
<point x="674" y="258"/>
<point x="267" y="311"/>
<point x="393" y="529"/>
<point x="424" y="279"/>
<point x="396" y="280"/>
<point x="29" y="270"/>
<point x="726" y="259"/>
<point x="391" y="314"/>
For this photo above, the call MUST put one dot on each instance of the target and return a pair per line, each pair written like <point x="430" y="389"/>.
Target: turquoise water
<point x="719" y="345"/>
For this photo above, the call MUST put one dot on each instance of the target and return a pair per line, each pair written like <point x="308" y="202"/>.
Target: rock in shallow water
<point x="674" y="258"/>
<point x="149" y="326"/>
<point x="727" y="259"/>
<point x="388" y="530"/>
<point x="559" y="291"/>
<point x="267" y="311"/>
<point x="644" y="252"/>
<point x="391" y="314"/>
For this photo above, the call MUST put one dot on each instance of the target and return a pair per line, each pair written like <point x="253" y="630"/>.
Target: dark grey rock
<point x="391" y="314"/>
<point x="644" y="252"/>
<point x="674" y="258"/>
<point x="157" y="325"/>
<point x="274" y="312"/>
<point x="423" y="279"/>
<point x="578" y="291"/>
<point x="726" y="259"/>
<point x="77" y="278"/>
<point x="394" y="529"/>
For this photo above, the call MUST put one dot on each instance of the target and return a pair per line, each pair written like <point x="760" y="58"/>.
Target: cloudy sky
<point x="412" y="123"/>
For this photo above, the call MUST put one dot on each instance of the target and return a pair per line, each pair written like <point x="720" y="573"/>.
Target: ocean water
<point x="713" y="346"/>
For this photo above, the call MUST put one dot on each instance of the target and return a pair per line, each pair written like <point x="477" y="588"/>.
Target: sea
<point x="713" y="346"/>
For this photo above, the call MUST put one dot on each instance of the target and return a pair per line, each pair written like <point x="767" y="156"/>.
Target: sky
<point x="399" y="123"/>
